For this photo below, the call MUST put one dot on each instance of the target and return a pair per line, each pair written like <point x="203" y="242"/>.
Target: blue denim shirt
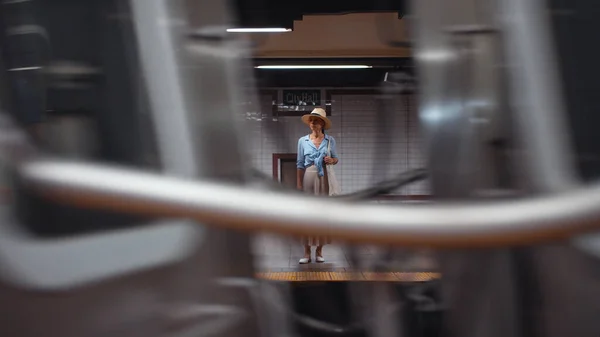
<point x="309" y="155"/>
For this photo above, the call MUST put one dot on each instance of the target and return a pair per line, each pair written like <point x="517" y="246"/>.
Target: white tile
<point x="356" y="129"/>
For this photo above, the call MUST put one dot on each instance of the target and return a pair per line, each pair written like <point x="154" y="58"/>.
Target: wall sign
<point x="302" y="97"/>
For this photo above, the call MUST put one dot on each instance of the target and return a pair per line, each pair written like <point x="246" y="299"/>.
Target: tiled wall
<point x="357" y="127"/>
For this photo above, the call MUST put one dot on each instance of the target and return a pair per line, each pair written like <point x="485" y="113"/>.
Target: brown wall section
<point x="349" y="35"/>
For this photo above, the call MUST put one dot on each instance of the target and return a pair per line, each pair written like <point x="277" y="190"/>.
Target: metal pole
<point x="537" y="96"/>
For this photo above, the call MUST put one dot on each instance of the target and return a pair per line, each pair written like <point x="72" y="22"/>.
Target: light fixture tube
<point x="308" y="66"/>
<point x="258" y="30"/>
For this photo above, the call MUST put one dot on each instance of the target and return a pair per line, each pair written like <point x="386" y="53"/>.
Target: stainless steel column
<point x="464" y="117"/>
<point x="192" y="71"/>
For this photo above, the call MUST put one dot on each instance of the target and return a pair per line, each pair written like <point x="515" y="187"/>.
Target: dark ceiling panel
<point x="276" y="13"/>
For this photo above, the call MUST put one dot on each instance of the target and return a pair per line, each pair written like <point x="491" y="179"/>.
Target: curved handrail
<point x="382" y="187"/>
<point x="496" y="223"/>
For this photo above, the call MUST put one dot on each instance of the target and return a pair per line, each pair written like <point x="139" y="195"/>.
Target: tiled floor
<point x="278" y="254"/>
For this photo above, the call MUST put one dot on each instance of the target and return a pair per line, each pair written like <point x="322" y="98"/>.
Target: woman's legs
<point x="316" y="186"/>
<point x="306" y="258"/>
<point x="319" y="254"/>
<point x="307" y="251"/>
<point x="319" y="251"/>
<point x="309" y="184"/>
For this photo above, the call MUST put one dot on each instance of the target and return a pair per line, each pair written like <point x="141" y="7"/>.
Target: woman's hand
<point x="330" y="161"/>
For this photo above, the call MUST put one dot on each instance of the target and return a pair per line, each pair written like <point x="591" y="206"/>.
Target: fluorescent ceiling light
<point x="258" y="30"/>
<point x="25" y="68"/>
<point x="340" y="66"/>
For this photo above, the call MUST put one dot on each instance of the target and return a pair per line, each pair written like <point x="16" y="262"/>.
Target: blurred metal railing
<point x="497" y="223"/>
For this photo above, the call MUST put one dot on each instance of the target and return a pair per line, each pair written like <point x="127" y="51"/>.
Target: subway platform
<point x="276" y="258"/>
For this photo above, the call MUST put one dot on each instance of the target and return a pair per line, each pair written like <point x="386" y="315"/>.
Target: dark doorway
<point x="284" y="169"/>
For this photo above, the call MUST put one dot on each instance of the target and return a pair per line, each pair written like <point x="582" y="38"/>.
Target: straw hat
<point x="319" y="113"/>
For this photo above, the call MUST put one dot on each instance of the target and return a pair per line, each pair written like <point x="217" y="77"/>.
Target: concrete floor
<point x="280" y="254"/>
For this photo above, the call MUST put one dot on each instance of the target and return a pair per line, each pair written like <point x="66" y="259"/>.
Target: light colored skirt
<point x="313" y="184"/>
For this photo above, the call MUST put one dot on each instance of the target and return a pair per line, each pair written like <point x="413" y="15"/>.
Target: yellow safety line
<point x="348" y="276"/>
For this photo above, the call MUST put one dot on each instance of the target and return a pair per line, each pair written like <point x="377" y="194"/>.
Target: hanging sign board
<point x="302" y="97"/>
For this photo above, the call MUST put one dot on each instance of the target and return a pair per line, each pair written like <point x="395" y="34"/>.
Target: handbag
<point x="334" y="184"/>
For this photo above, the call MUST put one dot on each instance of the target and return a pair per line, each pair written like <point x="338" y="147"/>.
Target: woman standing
<point x="311" y="171"/>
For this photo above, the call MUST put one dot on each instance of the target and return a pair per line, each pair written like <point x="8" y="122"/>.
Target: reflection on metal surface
<point x="436" y="55"/>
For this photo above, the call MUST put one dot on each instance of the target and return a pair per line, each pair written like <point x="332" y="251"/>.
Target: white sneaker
<point x="320" y="259"/>
<point x="304" y="260"/>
